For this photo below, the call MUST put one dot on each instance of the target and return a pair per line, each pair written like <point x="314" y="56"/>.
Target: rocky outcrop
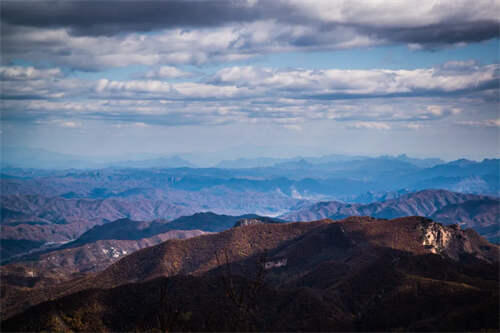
<point x="252" y="221"/>
<point x="452" y="241"/>
<point x="275" y="262"/>
<point x="245" y="222"/>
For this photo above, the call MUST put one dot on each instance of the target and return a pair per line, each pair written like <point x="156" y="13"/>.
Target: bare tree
<point x="244" y="296"/>
<point x="168" y="314"/>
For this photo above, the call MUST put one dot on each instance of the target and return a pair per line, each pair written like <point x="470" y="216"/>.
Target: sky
<point x="252" y="78"/>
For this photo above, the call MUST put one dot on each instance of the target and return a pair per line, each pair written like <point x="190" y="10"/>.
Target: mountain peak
<point x="462" y="162"/>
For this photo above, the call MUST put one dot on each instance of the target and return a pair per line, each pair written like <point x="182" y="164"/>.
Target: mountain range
<point x="23" y="157"/>
<point x="41" y="158"/>
<point x="79" y="247"/>
<point x="345" y="180"/>
<point x="102" y="245"/>
<point x="471" y="211"/>
<point x="33" y="222"/>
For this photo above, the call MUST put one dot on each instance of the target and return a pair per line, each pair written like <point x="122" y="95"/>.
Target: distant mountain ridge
<point x="60" y="219"/>
<point x="340" y="180"/>
<point x="103" y="244"/>
<point x="59" y="205"/>
<point x="40" y="158"/>
<point x="125" y="229"/>
<point x="23" y="157"/>
<point x="71" y="260"/>
<point x="472" y="211"/>
<point x="32" y="219"/>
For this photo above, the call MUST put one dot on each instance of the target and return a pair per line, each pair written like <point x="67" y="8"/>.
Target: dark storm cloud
<point x="439" y="24"/>
<point x="114" y="17"/>
<point x="441" y="34"/>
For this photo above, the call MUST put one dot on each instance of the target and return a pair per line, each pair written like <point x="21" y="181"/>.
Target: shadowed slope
<point x="356" y="274"/>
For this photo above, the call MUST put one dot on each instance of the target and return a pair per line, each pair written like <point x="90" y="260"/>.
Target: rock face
<point x="275" y="262"/>
<point x="450" y="241"/>
<point x="253" y="221"/>
<point x="436" y="238"/>
<point x="245" y="222"/>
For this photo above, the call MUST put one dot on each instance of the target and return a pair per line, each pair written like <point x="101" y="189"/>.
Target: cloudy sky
<point x="246" y="78"/>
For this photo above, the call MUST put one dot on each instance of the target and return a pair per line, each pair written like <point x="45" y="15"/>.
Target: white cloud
<point x="454" y="64"/>
<point x="355" y="82"/>
<point x="159" y="89"/>
<point x="8" y="73"/>
<point x="129" y="125"/>
<point x="436" y="110"/>
<point x="414" y="126"/>
<point x="390" y="13"/>
<point x="371" y="125"/>
<point x="369" y="98"/>
<point x="32" y="83"/>
<point x="61" y="123"/>
<point x="149" y="86"/>
<point x="256" y="82"/>
<point x="167" y="72"/>
<point x="70" y="124"/>
<point x="480" y="123"/>
<point x="293" y="127"/>
<point x="165" y="48"/>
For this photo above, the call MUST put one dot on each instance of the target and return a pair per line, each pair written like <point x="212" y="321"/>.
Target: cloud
<point x="460" y="65"/>
<point x="136" y="86"/>
<point x="28" y="82"/>
<point x="91" y="18"/>
<point x="13" y="73"/>
<point x="83" y="35"/>
<point x="154" y="89"/>
<point x="413" y="110"/>
<point x="293" y="127"/>
<point x="414" y="126"/>
<point x="370" y="125"/>
<point x="167" y="72"/>
<point x="166" y="47"/>
<point x="128" y="125"/>
<point x="283" y="97"/>
<point x="61" y="123"/>
<point x="375" y="114"/>
<point x="479" y="123"/>
<point x="251" y="82"/>
<point x="70" y="124"/>
<point x="343" y="84"/>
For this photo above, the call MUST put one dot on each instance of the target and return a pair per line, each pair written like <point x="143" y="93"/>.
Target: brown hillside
<point x="358" y="274"/>
<point x="350" y="244"/>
